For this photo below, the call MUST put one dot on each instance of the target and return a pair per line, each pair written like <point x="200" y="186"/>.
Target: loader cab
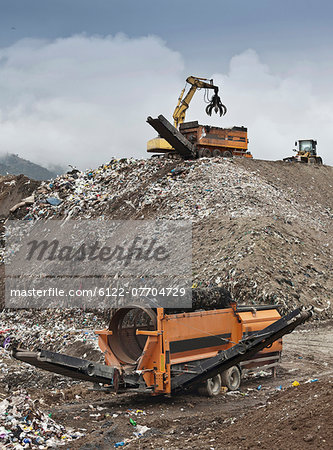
<point x="307" y="145"/>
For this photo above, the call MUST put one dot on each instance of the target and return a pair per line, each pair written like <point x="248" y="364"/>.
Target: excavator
<point x="160" y="145"/>
<point x="306" y="153"/>
<point x="208" y="141"/>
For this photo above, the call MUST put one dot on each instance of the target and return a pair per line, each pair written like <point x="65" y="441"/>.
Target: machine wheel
<point x="227" y="154"/>
<point x="205" y="153"/>
<point x="211" y="387"/>
<point x="312" y="161"/>
<point x="231" y="378"/>
<point x="217" y="152"/>
<point x="319" y="160"/>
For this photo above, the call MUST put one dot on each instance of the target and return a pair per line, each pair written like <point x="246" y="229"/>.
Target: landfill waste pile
<point x="260" y="229"/>
<point x="23" y="425"/>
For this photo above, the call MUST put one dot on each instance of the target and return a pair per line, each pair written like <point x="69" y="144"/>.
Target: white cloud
<point x="276" y="109"/>
<point x="83" y="99"/>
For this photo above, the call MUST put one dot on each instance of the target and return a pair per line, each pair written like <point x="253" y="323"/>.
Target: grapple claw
<point x="217" y="105"/>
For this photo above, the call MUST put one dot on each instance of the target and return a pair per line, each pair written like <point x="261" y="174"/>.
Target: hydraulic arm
<point x="183" y="102"/>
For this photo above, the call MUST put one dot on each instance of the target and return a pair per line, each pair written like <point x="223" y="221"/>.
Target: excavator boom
<point x="184" y="102"/>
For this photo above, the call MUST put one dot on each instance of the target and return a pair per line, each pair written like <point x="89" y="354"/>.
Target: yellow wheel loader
<point x="306" y="152"/>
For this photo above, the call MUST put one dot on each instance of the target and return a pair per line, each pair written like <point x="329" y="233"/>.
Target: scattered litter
<point x="140" y="430"/>
<point x="295" y="383"/>
<point x="313" y="380"/>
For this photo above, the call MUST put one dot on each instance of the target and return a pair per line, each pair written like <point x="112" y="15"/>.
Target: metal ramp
<point x="167" y="131"/>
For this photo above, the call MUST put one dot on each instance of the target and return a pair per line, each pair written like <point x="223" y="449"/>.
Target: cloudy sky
<point x="78" y="78"/>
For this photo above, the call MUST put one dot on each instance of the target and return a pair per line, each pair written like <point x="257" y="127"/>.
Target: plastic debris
<point x="295" y="383"/>
<point x="313" y="380"/>
<point x="54" y="201"/>
<point x="132" y="422"/>
<point x="140" y="430"/>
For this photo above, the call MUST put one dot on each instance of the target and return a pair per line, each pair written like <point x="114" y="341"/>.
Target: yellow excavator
<point x="160" y="145"/>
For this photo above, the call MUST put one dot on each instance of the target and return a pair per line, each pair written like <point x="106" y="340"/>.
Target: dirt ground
<point x="13" y="188"/>
<point x="265" y="413"/>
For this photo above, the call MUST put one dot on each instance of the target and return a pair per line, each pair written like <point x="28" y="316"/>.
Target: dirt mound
<point x="262" y="229"/>
<point x="13" y="188"/>
<point x="298" y="418"/>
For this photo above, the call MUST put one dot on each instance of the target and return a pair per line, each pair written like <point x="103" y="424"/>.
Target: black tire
<point x="312" y="161"/>
<point x="319" y="160"/>
<point x="217" y="152"/>
<point x="205" y="152"/>
<point x="227" y="154"/>
<point x="231" y="378"/>
<point x="211" y="387"/>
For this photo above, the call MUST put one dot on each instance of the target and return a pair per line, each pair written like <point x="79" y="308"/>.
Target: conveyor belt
<point x="167" y="131"/>
<point x="245" y="349"/>
<point x="65" y="365"/>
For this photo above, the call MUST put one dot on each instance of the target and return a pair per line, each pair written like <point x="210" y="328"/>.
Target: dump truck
<point x="210" y="141"/>
<point x="162" y="351"/>
<point x="306" y="152"/>
<point x="193" y="141"/>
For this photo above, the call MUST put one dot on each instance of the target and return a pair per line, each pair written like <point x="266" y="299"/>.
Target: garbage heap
<point x="261" y="229"/>
<point x="24" y="425"/>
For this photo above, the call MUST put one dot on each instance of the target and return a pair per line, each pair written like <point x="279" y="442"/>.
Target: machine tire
<point x="211" y="387"/>
<point x="227" y="154"/>
<point x="319" y="160"/>
<point x="217" y="152"/>
<point x="205" y="153"/>
<point x="312" y="161"/>
<point x="231" y="378"/>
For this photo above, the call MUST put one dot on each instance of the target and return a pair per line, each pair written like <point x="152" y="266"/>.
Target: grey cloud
<point x="83" y="99"/>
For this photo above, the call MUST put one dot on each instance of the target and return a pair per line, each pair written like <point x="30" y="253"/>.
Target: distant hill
<point x="14" y="165"/>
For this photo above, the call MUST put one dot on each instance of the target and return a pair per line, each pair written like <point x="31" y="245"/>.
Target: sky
<point x="78" y="78"/>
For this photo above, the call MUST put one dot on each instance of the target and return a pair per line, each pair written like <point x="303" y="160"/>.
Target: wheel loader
<point x="306" y="152"/>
